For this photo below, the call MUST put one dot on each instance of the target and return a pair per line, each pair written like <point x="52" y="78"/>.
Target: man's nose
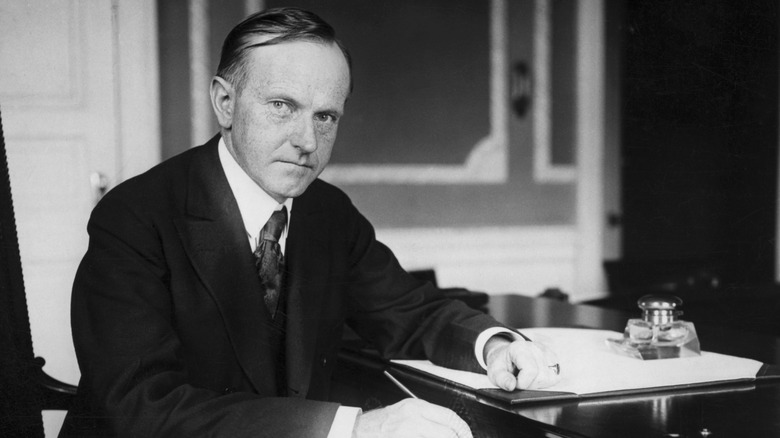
<point x="304" y="136"/>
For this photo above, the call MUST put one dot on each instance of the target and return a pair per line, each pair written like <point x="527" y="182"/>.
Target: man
<point x="176" y="332"/>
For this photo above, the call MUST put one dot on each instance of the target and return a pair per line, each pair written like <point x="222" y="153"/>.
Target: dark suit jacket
<point x="168" y="318"/>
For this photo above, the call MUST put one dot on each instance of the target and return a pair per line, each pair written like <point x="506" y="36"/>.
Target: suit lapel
<point x="213" y="234"/>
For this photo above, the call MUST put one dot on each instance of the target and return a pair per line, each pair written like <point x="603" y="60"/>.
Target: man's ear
<point x="223" y="99"/>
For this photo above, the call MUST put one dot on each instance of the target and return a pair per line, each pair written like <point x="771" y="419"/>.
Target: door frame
<point x="138" y="86"/>
<point x="590" y="120"/>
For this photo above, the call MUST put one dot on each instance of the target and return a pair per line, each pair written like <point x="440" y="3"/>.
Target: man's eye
<point x="281" y="107"/>
<point x="326" y="118"/>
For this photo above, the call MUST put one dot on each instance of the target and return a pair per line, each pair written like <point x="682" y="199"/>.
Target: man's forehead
<point x="291" y="64"/>
<point x="296" y="52"/>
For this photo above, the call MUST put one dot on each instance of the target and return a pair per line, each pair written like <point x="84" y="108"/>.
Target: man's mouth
<point x="298" y="164"/>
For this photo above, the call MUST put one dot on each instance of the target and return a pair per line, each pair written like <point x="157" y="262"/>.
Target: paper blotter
<point x="589" y="368"/>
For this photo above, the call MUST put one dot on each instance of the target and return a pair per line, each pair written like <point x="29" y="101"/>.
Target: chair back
<point x="25" y="390"/>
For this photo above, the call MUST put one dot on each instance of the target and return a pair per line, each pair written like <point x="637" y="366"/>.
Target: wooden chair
<point x="25" y="389"/>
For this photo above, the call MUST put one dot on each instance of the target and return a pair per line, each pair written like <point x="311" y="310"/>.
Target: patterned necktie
<point x="269" y="259"/>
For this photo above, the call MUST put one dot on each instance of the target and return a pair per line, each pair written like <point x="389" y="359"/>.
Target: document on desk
<point x="589" y="368"/>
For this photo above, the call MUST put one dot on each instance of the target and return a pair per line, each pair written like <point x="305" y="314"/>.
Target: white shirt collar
<point x="255" y="205"/>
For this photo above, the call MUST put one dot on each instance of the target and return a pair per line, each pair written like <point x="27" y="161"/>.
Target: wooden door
<point x="78" y="97"/>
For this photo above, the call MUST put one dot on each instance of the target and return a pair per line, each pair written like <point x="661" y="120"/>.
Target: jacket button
<point x="324" y="361"/>
<point x="229" y="390"/>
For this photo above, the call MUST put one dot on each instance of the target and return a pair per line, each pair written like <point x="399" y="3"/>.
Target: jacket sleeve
<point x="402" y="316"/>
<point x="135" y="381"/>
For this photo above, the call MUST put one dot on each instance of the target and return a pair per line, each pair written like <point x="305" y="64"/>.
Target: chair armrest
<point x="55" y="394"/>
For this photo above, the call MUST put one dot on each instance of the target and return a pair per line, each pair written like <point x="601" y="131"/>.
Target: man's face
<point x="284" y="120"/>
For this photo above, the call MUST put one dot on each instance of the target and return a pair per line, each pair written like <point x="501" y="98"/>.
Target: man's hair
<point x="285" y="25"/>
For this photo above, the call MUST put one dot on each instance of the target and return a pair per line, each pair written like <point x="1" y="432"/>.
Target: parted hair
<point x="284" y="24"/>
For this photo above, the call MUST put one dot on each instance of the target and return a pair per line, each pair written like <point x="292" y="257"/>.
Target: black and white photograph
<point x="389" y="218"/>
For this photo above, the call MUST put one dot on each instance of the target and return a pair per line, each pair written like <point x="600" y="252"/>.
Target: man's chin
<point x="290" y="182"/>
<point x="290" y="191"/>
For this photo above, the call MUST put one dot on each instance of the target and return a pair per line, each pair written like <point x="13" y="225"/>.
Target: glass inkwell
<point x="659" y="334"/>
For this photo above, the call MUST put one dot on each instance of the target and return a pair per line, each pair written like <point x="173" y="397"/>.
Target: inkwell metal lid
<point x="660" y="309"/>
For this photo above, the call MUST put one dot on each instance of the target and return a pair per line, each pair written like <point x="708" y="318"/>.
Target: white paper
<point x="589" y="366"/>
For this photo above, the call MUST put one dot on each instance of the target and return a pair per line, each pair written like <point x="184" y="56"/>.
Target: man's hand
<point x="411" y="418"/>
<point x="520" y="364"/>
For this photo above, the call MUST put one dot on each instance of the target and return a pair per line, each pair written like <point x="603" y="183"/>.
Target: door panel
<point x="77" y="97"/>
<point x="59" y="107"/>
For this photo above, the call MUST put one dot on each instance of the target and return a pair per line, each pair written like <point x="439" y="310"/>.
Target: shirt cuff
<point x="479" y="346"/>
<point x="344" y="422"/>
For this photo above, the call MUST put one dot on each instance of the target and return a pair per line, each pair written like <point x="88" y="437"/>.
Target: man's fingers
<point x="447" y="417"/>
<point x="528" y="359"/>
<point x="513" y="366"/>
<point x="412" y="418"/>
<point x="547" y="370"/>
<point x="503" y="379"/>
<point x="500" y="370"/>
<point x="551" y="373"/>
<point x="523" y="365"/>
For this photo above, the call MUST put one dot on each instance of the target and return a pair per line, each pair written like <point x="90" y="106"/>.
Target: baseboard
<point x="496" y="260"/>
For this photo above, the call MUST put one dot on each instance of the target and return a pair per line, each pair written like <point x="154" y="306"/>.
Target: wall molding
<point x="590" y="142"/>
<point x="545" y="171"/>
<point x="488" y="161"/>
<point x="137" y="75"/>
<point x="69" y="96"/>
<point x="252" y="6"/>
<point x="201" y="121"/>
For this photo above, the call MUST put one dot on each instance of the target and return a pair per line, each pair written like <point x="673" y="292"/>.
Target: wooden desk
<point x="737" y="410"/>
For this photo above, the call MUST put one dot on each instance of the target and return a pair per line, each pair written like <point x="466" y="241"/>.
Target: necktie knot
<point x="273" y="228"/>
